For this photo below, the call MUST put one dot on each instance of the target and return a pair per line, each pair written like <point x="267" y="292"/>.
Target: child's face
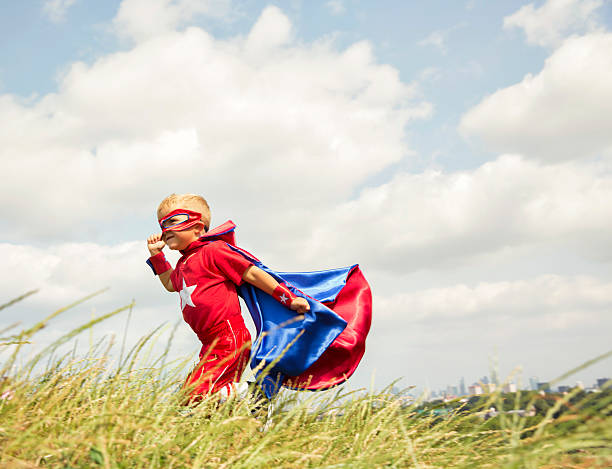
<point x="179" y="239"/>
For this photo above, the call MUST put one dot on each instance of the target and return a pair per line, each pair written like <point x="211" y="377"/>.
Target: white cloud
<point x="56" y="10"/>
<point x="437" y="219"/>
<point x="142" y="19"/>
<point x="551" y="23"/>
<point x="559" y="114"/>
<point x="571" y="300"/>
<point x="439" y="38"/>
<point x="545" y="324"/>
<point x="272" y="30"/>
<point x="430" y="74"/>
<point x="336" y="7"/>
<point x="550" y="312"/>
<point x="73" y="270"/>
<point x="436" y="39"/>
<point x="66" y="272"/>
<point x="185" y="112"/>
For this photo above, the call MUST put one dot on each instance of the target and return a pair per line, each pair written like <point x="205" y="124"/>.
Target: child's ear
<point x="200" y="229"/>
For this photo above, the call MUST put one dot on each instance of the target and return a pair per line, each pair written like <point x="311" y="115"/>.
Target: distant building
<point x="475" y="389"/>
<point x="580" y="384"/>
<point x="544" y="386"/>
<point x="462" y="389"/>
<point x="564" y="389"/>
<point x="533" y="383"/>
<point x="509" y="387"/>
<point x="601" y="383"/>
<point x="494" y="377"/>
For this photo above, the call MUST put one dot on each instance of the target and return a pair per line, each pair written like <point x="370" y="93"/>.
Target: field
<point x="87" y="412"/>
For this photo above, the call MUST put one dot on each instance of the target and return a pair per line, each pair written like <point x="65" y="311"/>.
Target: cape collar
<point x="224" y="232"/>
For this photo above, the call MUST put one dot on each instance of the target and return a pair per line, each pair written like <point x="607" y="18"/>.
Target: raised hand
<point x="155" y="244"/>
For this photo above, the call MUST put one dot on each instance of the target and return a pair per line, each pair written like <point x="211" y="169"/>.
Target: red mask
<point x="179" y="220"/>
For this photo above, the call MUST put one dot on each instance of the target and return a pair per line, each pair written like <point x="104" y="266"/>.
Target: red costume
<point x="206" y="277"/>
<point x="320" y="351"/>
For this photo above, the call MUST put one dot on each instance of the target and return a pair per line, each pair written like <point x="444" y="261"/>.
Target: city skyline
<point x="487" y="384"/>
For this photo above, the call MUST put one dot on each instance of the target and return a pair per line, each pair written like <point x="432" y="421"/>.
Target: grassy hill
<point x="83" y="412"/>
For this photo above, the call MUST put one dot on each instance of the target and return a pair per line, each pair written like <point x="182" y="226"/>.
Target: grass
<point x="83" y="412"/>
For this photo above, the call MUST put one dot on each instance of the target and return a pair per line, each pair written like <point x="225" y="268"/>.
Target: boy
<point x="206" y="277"/>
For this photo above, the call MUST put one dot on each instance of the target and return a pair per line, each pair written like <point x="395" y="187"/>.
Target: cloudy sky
<point x="461" y="152"/>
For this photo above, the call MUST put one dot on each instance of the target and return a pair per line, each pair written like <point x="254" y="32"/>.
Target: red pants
<point x="223" y="357"/>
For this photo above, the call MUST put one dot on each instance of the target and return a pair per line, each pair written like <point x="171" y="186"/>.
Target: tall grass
<point x="87" y="411"/>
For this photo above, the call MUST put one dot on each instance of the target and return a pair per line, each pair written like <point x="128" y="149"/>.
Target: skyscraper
<point x="462" y="389"/>
<point x="494" y="376"/>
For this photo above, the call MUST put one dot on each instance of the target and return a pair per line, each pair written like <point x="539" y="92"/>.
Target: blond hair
<point x="193" y="202"/>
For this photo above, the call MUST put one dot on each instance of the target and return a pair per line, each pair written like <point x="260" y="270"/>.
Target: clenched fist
<point x="300" y="305"/>
<point x="155" y="244"/>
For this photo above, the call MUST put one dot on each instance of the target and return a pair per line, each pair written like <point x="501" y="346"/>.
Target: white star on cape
<point x="185" y="295"/>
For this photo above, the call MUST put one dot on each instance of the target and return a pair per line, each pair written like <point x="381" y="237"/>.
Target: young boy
<point x="206" y="277"/>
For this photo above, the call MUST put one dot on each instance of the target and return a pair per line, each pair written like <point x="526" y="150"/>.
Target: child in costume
<point x="206" y="278"/>
<point x="317" y="351"/>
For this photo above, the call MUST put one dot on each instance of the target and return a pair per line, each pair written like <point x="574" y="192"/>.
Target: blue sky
<point x="460" y="151"/>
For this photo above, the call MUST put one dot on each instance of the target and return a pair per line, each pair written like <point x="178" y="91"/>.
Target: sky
<point x="460" y="152"/>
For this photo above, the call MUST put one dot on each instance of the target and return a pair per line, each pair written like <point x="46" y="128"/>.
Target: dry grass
<point x="86" y="412"/>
